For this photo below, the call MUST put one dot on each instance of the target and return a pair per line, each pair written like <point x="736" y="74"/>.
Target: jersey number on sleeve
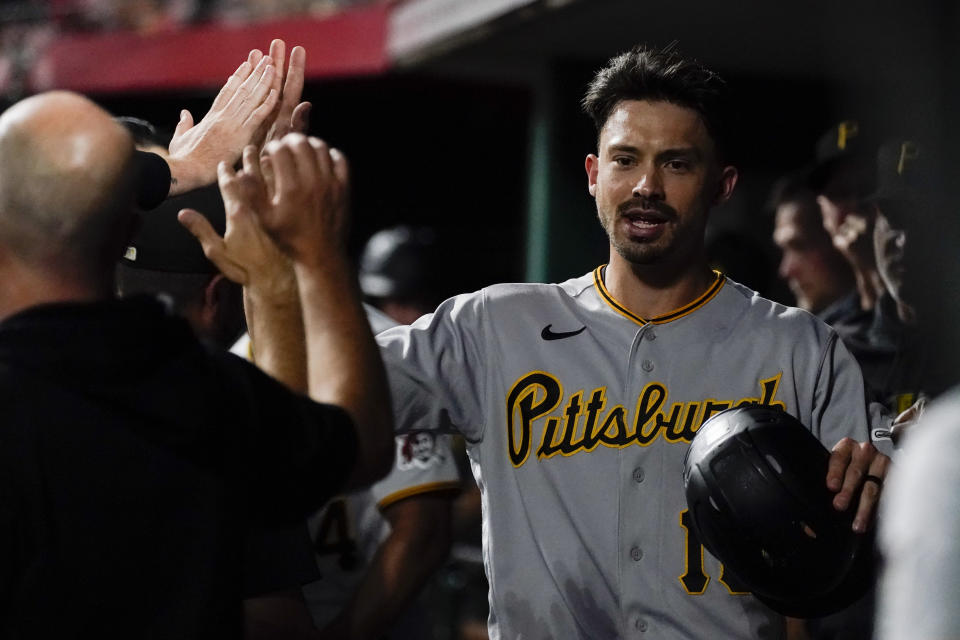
<point x="333" y="536"/>
<point x="695" y="578"/>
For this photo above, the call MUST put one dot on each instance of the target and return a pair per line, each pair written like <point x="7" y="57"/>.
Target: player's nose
<point x="648" y="185"/>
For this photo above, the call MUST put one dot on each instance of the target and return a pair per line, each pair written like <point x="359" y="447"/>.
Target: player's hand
<point x="853" y="238"/>
<point x="307" y="212"/>
<point x="245" y="253"/>
<point x="290" y="114"/>
<point x="857" y="466"/>
<point x="238" y="112"/>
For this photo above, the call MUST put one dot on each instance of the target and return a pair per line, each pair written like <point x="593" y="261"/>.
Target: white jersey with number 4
<point x="577" y="415"/>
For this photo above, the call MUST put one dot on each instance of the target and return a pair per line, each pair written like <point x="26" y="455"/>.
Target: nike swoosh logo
<point x="547" y="334"/>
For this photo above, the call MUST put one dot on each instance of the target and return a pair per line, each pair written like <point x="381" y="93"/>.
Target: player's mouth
<point x="644" y="223"/>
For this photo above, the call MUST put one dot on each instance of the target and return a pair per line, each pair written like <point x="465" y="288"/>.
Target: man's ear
<point x="592" y="165"/>
<point x="728" y="180"/>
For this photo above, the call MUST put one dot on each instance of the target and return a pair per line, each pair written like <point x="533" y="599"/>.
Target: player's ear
<point x="728" y="180"/>
<point x="592" y="166"/>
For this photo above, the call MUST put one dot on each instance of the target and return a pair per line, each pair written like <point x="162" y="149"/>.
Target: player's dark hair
<point x="792" y="187"/>
<point x="645" y="74"/>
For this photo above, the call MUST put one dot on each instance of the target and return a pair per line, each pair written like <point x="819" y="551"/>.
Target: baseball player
<point x="578" y="400"/>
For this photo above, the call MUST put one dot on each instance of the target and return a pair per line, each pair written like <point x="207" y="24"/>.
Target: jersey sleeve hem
<point x="430" y="487"/>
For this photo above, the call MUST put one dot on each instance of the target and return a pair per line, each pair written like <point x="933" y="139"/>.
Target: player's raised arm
<point x="304" y="212"/>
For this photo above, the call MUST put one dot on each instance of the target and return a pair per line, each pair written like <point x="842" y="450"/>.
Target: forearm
<point x="343" y="362"/>
<point x="275" y="323"/>
<point x="402" y="565"/>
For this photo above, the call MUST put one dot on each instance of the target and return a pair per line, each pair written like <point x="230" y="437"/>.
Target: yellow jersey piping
<point x="430" y="487"/>
<point x="686" y="309"/>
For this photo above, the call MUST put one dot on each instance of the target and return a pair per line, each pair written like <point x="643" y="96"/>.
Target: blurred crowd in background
<point x="28" y="26"/>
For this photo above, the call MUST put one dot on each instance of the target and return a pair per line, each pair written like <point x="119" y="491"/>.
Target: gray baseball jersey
<point x="577" y="416"/>
<point x="920" y="530"/>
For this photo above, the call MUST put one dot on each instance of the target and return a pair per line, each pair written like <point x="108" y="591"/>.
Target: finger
<point x="285" y="177"/>
<point x="308" y="165"/>
<point x="321" y="157"/>
<point x="278" y="49"/>
<point x="300" y="120"/>
<point x="259" y="115"/>
<point x="254" y="57"/>
<point x="870" y="493"/>
<point x="251" y="162"/>
<point x="839" y="459"/>
<point x="245" y="99"/>
<point x="293" y="84"/>
<point x="266" y="165"/>
<point x="233" y="83"/>
<point x="341" y="168"/>
<point x="226" y="179"/>
<point x="860" y="460"/>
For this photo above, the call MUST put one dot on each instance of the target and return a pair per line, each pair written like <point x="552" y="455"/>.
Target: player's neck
<point x="654" y="290"/>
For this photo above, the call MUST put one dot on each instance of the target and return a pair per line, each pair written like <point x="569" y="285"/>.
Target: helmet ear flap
<point x="754" y="477"/>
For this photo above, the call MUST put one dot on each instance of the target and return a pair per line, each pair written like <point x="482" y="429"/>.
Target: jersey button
<point x="640" y="624"/>
<point x="651" y="336"/>
<point x="638" y="475"/>
<point x="647" y="366"/>
<point x="636" y="554"/>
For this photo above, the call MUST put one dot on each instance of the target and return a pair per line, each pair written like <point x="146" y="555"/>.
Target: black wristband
<point x="153" y="180"/>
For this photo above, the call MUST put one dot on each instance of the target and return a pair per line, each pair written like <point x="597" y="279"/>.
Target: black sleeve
<point x="277" y="558"/>
<point x="297" y="453"/>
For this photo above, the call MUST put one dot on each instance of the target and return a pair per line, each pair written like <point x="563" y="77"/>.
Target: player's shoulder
<point x="763" y="312"/>
<point x="534" y="292"/>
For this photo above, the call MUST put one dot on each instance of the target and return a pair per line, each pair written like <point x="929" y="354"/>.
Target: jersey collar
<point x="686" y="309"/>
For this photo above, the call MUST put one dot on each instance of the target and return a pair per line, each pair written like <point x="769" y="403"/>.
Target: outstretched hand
<point x="240" y="109"/>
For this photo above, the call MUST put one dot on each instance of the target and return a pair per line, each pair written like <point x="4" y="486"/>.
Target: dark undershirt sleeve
<point x="297" y="453"/>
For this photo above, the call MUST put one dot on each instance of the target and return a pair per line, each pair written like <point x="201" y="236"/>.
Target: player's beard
<point x="641" y="251"/>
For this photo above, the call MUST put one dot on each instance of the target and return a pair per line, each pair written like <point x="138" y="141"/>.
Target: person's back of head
<point x="67" y="183"/>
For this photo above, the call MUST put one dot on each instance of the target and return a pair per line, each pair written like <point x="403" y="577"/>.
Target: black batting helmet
<point x="398" y="263"/>
<point x="755" y="480"/>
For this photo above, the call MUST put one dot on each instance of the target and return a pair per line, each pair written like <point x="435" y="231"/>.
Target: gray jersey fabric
<point x="920" y="531"/>
<point x="577" y="416"/>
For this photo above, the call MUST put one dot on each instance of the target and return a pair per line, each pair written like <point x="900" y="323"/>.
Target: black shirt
<point x="132" y="463"/>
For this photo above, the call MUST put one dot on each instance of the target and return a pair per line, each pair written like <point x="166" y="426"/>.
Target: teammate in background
<point x="155" y="454"/>
<point x="375" y="548"/>
<point x="818" y="275"/>
<point x="578" y="400"/>
<point x="844" y="174"/>
<point x="398" y="272"/>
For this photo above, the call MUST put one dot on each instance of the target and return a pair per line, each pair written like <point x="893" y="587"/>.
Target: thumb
<point x="213" y="245"/>
<point x="185" y="124"/>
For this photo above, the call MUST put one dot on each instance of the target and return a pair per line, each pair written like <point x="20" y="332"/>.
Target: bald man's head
<point x="66" y="184"/>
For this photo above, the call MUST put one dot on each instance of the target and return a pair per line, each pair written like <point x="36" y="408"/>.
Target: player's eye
<point x="678" y="165"/>
<point x="623" y="161"/>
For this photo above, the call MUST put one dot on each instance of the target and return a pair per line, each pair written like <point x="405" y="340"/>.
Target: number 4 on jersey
<point x="695" y="578"/>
